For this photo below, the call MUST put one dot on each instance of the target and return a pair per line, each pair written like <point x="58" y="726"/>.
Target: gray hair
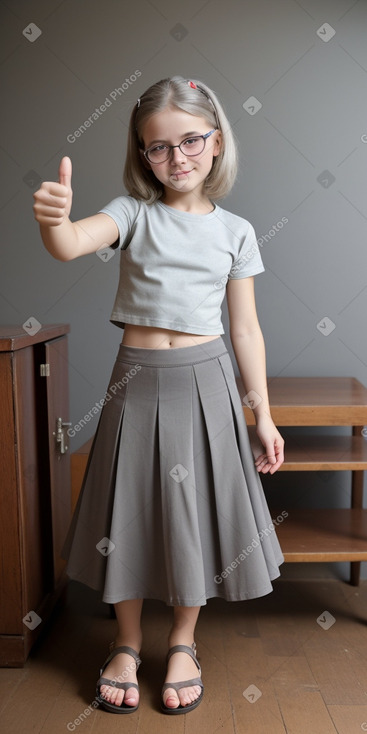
<point x="198" y="100"/>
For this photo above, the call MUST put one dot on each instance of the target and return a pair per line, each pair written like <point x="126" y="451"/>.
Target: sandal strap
<point x="188" y="650"/>
<point x="117" y="651"/>
<point x="125" y="685"/>
<point x="183" y="684"/>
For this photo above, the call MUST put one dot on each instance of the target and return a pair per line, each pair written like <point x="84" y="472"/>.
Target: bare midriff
<point x="151" y="337"/>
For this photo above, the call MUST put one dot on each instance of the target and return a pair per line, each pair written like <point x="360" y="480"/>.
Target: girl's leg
<point x="181" y="666"/>
<point x="122" y="667"/>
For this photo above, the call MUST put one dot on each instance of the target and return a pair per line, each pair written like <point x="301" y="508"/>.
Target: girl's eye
<point x="190" y="141"/>
<point x="158" y="148"/>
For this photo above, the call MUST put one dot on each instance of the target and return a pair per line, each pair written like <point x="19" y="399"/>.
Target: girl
<point x="172" y="506"/>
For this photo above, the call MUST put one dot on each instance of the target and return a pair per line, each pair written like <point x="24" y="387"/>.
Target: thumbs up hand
<point x="53" y="199"/>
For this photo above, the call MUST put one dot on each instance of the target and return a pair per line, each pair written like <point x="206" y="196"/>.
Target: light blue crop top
<point x="174" y="265"/>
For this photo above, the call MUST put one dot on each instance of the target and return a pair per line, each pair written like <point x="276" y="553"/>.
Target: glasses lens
<point x="192" y="146"/>
<point x="158" y="154"/>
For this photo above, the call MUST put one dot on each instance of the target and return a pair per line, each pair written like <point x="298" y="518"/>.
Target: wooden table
<point x="322" y="535"/>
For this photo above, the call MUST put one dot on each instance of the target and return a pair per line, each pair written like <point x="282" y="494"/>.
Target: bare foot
<point x="121" y="669"/>
<point x="181" y="667"/>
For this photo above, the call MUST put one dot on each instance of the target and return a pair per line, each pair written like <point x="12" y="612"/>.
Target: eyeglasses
<point x="189" y="147"/>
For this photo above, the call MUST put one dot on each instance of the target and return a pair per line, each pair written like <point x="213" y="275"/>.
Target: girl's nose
<point x="177" y="156"/>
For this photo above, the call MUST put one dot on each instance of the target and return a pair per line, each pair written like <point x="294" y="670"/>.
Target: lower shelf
<point x="323" y="535"/>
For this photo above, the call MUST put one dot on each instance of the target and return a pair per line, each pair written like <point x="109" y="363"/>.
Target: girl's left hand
<point x="273" y="443"/>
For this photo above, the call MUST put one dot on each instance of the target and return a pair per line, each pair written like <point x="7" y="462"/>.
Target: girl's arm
<point x="66" y="240"/>
<point x="248" y="346"/>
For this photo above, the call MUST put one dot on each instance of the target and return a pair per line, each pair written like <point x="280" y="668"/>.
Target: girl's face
<point x="180" y="172"/>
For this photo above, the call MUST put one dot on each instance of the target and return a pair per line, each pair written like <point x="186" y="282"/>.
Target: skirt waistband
<point x="172" y="357"/>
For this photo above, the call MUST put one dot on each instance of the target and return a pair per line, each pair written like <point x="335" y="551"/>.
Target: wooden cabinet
<point x="326" y="534"/>
<point x="34" y="482"/>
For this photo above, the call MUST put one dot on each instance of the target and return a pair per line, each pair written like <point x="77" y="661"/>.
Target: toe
<point x="105" y="692"/>
<point x="189" y="695"/>
<point x="119" y="697"/>
<point x="131" y="697"/>
<point x="171" y="699"/>
<point x="114" y="695"/>
<point x="182" y="694"/>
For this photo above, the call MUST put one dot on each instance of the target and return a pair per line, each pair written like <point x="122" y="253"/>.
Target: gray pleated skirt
<point x="172" y="506"/>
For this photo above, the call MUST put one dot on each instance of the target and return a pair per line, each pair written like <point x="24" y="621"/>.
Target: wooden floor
<point x="268" y="665"/>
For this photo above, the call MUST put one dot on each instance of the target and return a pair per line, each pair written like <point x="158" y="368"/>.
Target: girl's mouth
<point x="179" y="174"/>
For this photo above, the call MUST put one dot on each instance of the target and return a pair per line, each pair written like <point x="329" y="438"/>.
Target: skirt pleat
<point x="171" y="488"/>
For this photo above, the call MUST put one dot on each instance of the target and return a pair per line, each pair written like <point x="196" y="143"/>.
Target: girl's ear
<point x="218" y="143"/>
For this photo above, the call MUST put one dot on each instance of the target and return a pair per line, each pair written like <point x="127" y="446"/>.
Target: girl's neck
<point x="187" y="203"/>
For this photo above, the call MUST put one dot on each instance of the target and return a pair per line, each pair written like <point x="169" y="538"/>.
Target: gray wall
<point x="303" y="158"/>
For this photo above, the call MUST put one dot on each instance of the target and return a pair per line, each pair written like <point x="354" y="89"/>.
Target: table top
<point x="314" y="400"/>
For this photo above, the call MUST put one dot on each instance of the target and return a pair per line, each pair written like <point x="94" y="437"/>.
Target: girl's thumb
<point x="65" y="171"/>
<point x="270" y="454"/>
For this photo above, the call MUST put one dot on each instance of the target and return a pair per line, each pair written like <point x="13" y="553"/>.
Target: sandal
<point x="183" y="683"/>
<point x="113" y="708"/>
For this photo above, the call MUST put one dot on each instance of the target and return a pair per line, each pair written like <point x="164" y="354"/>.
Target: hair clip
<point x="195" y="86"/>
<point x="138" y="102"/>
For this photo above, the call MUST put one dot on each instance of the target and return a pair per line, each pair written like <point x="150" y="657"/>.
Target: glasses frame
<point x="171" y="147"/>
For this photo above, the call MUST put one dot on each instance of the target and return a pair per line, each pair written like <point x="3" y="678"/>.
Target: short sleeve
<point x="124" y="211"/>
<point x="249" y="261"/>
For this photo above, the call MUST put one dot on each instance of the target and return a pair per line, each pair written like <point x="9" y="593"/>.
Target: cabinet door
<point x="56" y="356"/>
